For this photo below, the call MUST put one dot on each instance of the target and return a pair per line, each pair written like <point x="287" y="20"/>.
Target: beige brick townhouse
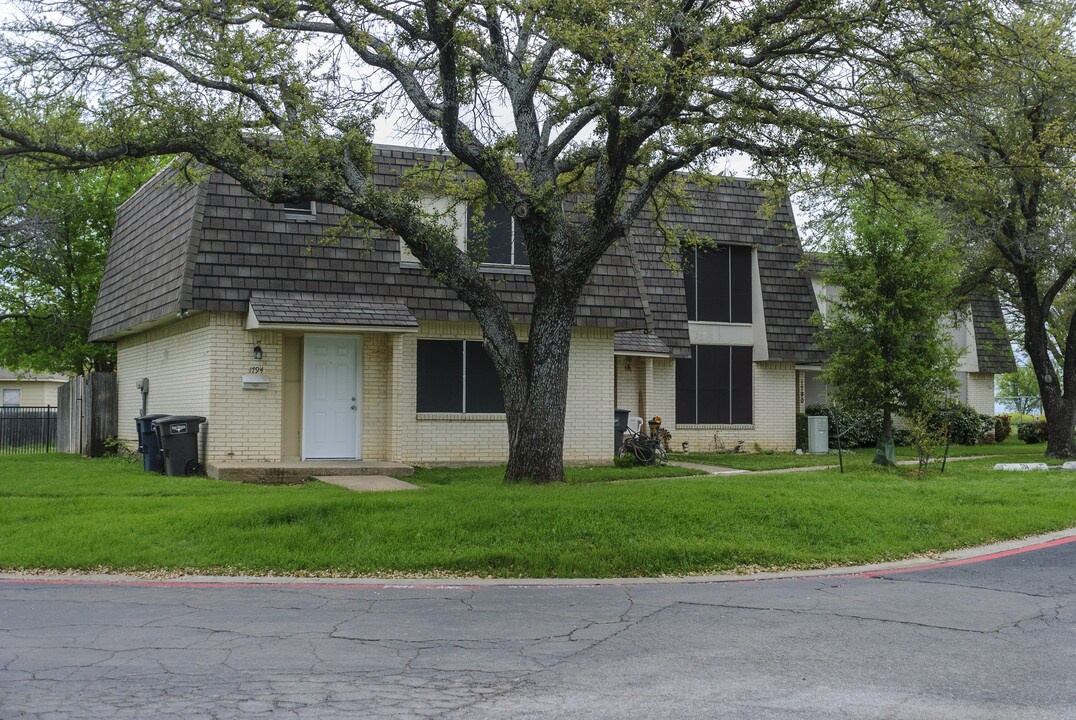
<point x="299" y="349"/>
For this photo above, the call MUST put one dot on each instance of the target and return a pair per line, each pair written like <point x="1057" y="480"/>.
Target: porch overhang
<point x="325" y="312"/>
<point x="640" y="343"/>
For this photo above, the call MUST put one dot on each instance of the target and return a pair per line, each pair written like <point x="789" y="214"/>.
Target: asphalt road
<point x="994" y="639"/>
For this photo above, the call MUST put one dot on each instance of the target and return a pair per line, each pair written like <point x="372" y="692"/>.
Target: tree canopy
<point x="55" y="228"/>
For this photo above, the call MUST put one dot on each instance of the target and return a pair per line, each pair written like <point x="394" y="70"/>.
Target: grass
<point x="575" y="475"/>
<point x="1012" y="448"/>
<point x="64" y="512"/>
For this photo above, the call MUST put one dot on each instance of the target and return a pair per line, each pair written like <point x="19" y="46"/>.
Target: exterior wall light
<point x="257" y="352"/>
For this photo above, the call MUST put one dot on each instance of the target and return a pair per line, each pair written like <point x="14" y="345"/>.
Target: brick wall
<point x="451" y="438"/>
<point x="774" y="426"/>
<point x="195" y="367"/>
<point x="176" y="359"/>
<point x="981" y="392"/>
<point x="245" y="424"/>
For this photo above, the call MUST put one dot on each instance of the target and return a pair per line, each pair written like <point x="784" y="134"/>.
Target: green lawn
<point x="68" y="512"/>
<point x="1013" y="448"/>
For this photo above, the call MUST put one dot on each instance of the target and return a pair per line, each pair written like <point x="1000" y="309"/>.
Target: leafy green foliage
<point x="858" y="427"/>
<point x="801" y="431"/>
<point x="1032" y="432"/>
<point x="55" y="230"/>
<point x="1002" y="428"/>
<point x="885" y="331"/>
<point x="959" y="422"/>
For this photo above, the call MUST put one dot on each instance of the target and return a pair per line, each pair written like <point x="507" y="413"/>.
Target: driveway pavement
<point x="992" y="639"/>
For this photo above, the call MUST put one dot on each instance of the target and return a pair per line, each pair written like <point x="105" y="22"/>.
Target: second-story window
<point x="494" y="236"/>
<point x="717" y="283"/>
<point x="300" y="210"/>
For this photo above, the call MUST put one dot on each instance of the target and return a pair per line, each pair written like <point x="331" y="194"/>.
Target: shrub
<point x="925" y="436"/>
<point x="859" y="428"/>
<point x="987" y="436"/>
<point x="962" y="422"/>
<point x="1002" y="427"/>
<point x="1032" y="432"/>
<point x="801" y="431"/>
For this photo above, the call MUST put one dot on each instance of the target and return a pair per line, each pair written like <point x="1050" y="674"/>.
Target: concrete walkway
<point x="717" y="470"/>
<point x="366" y="483"/>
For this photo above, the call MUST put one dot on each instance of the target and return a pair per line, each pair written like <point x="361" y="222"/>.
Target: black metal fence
<point x="27" y="429"/>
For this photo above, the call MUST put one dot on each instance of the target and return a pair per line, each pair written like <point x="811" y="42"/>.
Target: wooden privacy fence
<point x="87" y="414"/>
<point x="27" y="429"/>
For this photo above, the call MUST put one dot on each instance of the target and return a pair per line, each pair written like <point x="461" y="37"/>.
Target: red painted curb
<point x="211" y="584"/>
<point x="969" y="561"/>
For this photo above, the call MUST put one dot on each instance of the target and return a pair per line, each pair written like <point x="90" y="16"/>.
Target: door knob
<point x="353" y="407"/>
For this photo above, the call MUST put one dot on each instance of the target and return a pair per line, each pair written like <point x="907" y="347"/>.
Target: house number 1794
<point x="256" y="369"/>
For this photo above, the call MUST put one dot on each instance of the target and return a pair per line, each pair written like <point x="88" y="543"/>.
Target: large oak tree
<point x="992" y="106"/>
<point x="538" y="100"/>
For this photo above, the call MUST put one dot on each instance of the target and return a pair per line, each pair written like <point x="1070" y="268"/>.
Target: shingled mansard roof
<point x="991" y="342"/>
<point x="211" y="246"/>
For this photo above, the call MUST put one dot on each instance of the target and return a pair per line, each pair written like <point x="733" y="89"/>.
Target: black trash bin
<point x="620" y="425"/>
<point x="178" y="435"/>
<point x="148" y="444"/>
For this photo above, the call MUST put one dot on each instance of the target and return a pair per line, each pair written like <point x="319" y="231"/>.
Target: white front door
<point x="332" y="405"/>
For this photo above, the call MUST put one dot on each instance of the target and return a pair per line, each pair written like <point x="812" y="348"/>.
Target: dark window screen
<point x="483" y="385"/>
<point x="714" y="386"/>
<point x="740" y="284"/>
<point x="521" y="249"/>
<point x="685" y="389"/>
<point x="689" y="283"/>
<point x="712" y="284"/>
<point x="740" y="392"/>
<point x="299" y="208"/>
<point x="717" y="284"/>
<point x="496" y="230"/>
<point x="440" y="376"/>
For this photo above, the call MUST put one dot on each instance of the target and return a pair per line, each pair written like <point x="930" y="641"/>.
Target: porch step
<point x="367" y="483"/>
<point x="288" y="473"/>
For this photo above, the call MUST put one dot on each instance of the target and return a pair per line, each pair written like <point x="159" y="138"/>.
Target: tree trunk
<point x="883" y="452"/>
<point x="536" y="415"/>
<point x="1058" y="394"/>
<point x="1060" y="421"/>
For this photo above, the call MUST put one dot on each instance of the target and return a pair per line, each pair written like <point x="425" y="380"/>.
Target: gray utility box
<point x="818" y="434"/>
<point x="178" y="435"/>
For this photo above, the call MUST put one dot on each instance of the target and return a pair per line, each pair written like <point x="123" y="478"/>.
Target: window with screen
<point x="717" y="283"/>
<point x="713" y="386"/>
<point x="300" y="210"/>
<point x="494" y="236"/>
<point x="12" y="397"/>
<point x="457" y="376"/>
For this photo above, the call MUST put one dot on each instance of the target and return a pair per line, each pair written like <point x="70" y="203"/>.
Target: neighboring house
<point x="29" y="389"/>
<point x="297" y="348"/>
<point x="977" y="332"/>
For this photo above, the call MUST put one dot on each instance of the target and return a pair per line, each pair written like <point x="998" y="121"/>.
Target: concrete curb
<point x="953" y="557"/>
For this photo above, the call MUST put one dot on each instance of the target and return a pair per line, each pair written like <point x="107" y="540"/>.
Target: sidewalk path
<point x="716" y="470"/>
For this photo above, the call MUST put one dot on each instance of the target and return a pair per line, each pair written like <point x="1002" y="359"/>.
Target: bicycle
<point x="646" y="449"/>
